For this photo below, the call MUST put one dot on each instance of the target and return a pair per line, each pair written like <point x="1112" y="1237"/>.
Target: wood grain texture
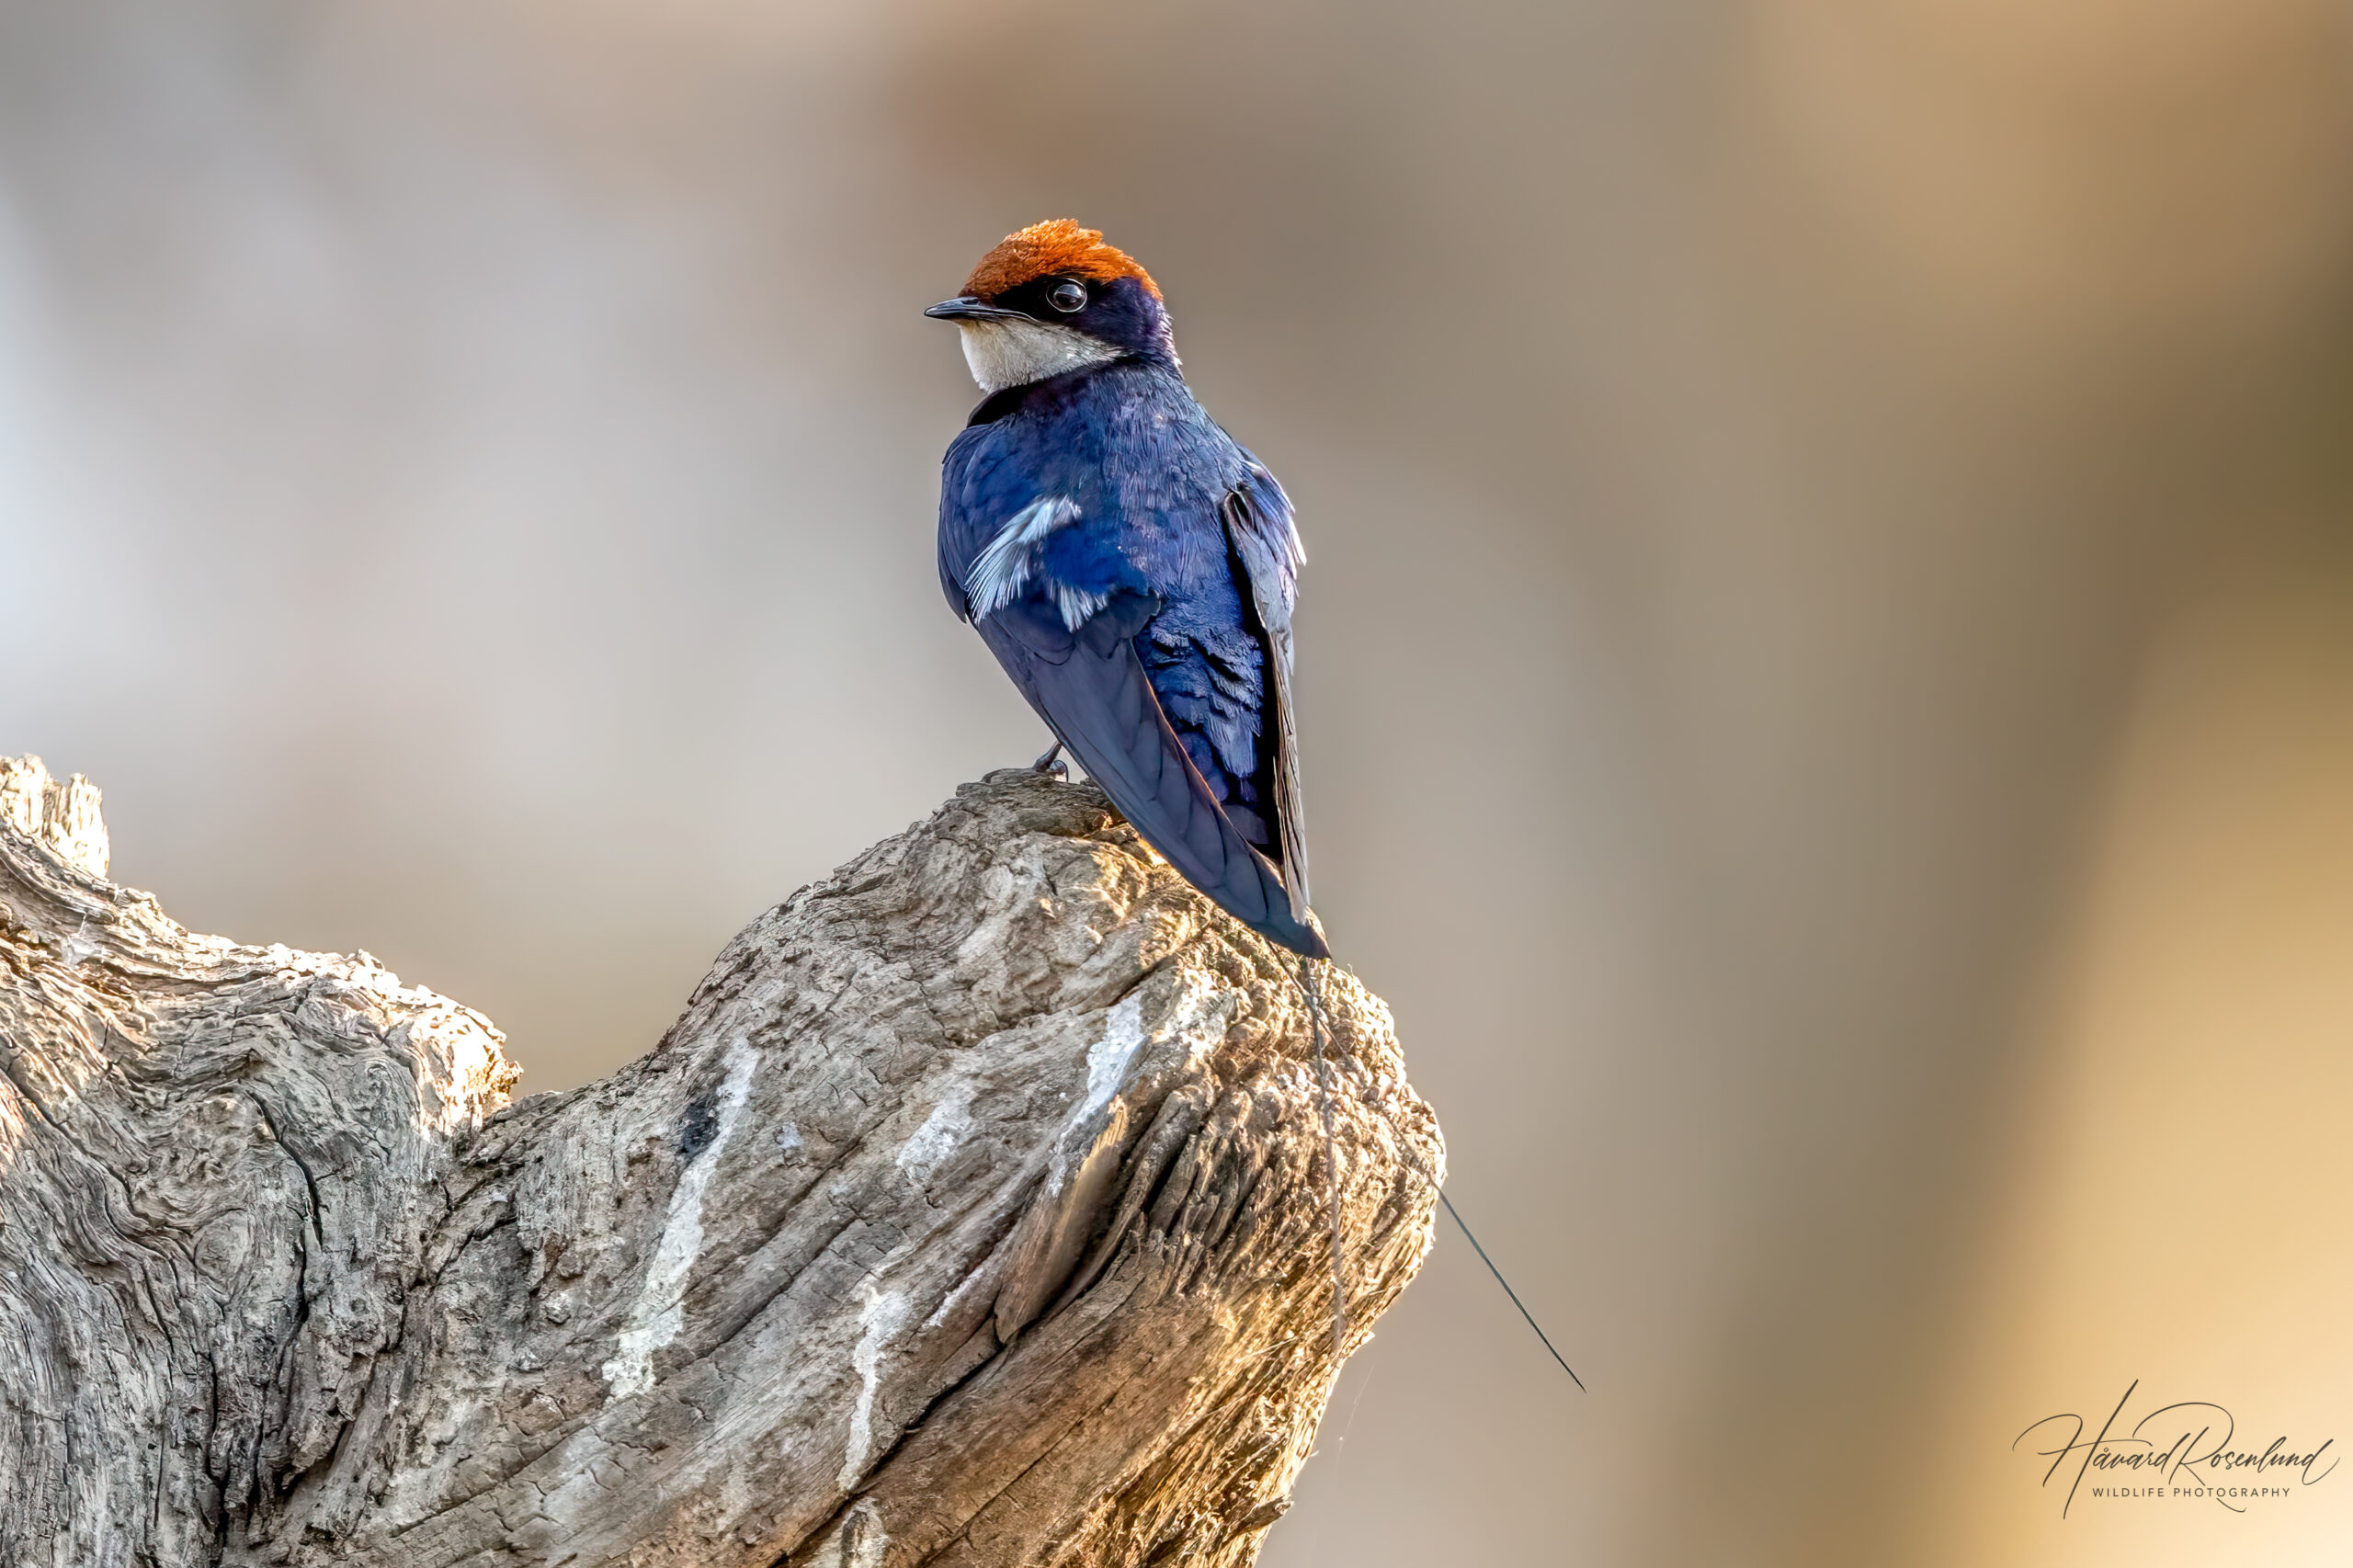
<point x="974" y="1212"/>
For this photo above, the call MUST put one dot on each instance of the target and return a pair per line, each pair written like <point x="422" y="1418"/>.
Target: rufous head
<point x="1057" y="247"/>
<point x="1053" y="299"/>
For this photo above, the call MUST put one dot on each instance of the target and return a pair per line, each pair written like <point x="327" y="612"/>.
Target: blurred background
<point x="1827" y="654"/>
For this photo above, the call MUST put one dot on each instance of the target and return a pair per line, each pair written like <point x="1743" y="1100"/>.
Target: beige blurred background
<point x="1827" y="654"/>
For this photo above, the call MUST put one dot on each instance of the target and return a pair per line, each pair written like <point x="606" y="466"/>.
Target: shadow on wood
<point x="974" y="1212"/>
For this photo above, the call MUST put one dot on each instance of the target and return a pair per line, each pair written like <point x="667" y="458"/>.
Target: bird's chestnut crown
<point x="1058" y="248"/>
<point x="1054" y="298"/>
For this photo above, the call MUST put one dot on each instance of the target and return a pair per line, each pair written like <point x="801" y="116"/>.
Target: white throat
<point x="1013" y="352"/>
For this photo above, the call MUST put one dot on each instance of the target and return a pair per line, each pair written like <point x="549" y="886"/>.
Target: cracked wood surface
<point x="973" y="1213"/>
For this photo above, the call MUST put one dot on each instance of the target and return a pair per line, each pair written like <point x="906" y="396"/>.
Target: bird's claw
<point x="1051" y="765"/>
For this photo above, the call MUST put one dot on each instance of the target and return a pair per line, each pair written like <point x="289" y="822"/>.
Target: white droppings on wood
<point x="860" y="1542"/>
<point x="873" y="1544"/>
<point x="941" y="1132"/>
<point x="659" y="1312"/>
<point x="1108" y="1059"/>
<point x="884" y="1313"/>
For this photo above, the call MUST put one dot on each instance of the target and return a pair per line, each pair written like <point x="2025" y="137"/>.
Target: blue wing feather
<point x="1265" y="539"/>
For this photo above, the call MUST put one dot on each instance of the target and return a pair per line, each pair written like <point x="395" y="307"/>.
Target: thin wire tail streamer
<point x="1319" y="1027"/>
<point x="1515" y="1302"/>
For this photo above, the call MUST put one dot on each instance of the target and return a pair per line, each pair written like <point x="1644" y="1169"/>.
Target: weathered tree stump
<point x="973" y="1213"/>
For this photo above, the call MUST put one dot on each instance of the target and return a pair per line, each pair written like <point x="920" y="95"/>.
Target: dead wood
<point x="975" y="1213"/>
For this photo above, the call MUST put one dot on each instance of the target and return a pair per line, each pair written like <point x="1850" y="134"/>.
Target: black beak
<point x="965" y="307"/>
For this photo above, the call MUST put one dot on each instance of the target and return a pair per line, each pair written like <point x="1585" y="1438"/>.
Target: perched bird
<point x="1131" y="568"/>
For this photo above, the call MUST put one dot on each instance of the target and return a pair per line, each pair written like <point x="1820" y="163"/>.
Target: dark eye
<point x="1067" y="296"/>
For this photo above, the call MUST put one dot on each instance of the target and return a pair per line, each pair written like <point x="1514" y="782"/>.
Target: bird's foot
<point x="1051" y="765"/>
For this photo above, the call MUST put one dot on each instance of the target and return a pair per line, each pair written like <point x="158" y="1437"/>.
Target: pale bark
<point x="973" y="1214"/>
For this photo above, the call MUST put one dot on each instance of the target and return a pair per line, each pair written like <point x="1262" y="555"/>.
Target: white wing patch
<point x="659" y="1315"/>
<point x="1003" y="569"/>
<point x="1077" y="605"/>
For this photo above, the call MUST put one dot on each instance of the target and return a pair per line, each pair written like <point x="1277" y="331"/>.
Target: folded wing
<point x="1091" y="687"/>
<point x="1265" y="541"/>
<point x="1061" y="609"/>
